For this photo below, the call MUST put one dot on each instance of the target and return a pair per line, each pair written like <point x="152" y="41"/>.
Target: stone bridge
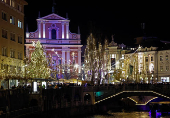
<point x="141" y="94"/>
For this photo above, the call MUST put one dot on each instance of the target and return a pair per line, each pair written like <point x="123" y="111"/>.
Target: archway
<point x="87" y="98"/>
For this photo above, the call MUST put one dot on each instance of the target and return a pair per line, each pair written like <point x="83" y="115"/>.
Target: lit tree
<point x="90" y="56"/>
<point x="95" y="61"/>
<point x="38" y="65"/>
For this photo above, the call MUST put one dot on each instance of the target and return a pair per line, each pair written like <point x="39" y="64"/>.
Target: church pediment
<point x="53" y="17"/>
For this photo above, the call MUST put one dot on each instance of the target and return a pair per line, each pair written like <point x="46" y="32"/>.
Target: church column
<point x="39" y="28"/>
<point x="68" y="59"/>
<point x="43" y="29"/>
<point x="79" y="59"/>
<point x="67" y="30"/>
<point x="63" y="57"/>
<point x="57" y="30"/>
<point x="62" y="30"/>
<point x="149" y="62"/>
<point x="49" y="33"/>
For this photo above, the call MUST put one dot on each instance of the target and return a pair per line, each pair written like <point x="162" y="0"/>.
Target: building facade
<point x="63" y="46"/>
<point x="147" y="65"/>
<point x="116" y="53"/>
<point x="141" y="64"/>
<point x="11" y="38"/>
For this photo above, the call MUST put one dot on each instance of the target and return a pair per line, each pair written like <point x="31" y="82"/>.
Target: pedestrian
<point x="2" y="87"/>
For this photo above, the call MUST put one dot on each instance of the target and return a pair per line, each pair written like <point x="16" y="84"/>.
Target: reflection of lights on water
<point x="126" y="115"/>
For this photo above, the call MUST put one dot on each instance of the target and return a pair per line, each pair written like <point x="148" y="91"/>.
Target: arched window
<point x="53" y="32"/>
<point x="166" y="57"/>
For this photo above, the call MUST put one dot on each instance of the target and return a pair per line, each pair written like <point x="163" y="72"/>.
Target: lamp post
<point x="77" y="81"/>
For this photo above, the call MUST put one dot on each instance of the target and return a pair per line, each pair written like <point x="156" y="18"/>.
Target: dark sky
<point x="106" y="18"/>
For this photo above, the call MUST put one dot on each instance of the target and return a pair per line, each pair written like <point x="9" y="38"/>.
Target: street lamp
<point x="76" y="66"/>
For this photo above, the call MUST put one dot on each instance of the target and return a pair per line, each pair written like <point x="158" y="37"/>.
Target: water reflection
<point x="125" y="115"/>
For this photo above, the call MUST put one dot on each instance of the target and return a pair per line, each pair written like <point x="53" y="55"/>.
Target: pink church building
<point x="54" y="34"/>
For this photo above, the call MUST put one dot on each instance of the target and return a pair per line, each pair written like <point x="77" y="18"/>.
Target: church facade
<point x="53" y="33"/>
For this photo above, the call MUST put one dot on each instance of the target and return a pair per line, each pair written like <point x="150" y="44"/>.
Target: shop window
<point x="165" y="79"/>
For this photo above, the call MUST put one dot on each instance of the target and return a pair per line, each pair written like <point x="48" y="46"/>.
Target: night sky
<point x="106" y="18"/>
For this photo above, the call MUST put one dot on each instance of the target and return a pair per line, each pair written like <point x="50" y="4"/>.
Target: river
<point x="124" y="115"/>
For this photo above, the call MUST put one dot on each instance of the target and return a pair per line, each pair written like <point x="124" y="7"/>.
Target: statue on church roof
<point x="112" y="42"/>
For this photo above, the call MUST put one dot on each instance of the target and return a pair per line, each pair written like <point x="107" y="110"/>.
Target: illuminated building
<point x="146" y="64"/>
<point x="116" y="53"/>
<point x="57" y="40"/>
<point x="11" y="38"/>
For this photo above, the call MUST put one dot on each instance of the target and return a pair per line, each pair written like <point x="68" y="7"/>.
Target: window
<point x="20" y="39"/>
<point x="12" y="20"/>
<point x="12" y="36"/>
<point x="4" y="51"/>
<point x="20" y="24"/>
<point x="146" y="59"/>
<point x="12" y="3"/>
<point x="167" y="68"/>
<point x="19" y="55"/>
<point x="12" y="53"/>
<point x="152" y="58"/>
<point x="166" y="57"/>
<point x="4" y="16"/>
<point x="161" y="58"/>
<point x="4" y="33"/>
<point x="19" y="7"/>
<point x="165" y="79"/>
<point x="161" y="68"/>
